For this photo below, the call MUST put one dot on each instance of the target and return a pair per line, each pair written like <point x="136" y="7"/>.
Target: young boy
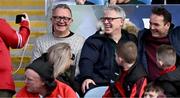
<point x="152" y="90"/>
<point x="169" y="78"/>
<point x="132" y="78"/>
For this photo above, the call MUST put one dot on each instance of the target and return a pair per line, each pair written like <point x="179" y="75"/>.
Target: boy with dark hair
<point x="132" y="78"/>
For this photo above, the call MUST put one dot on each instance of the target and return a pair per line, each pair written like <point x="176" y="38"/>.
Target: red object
<point x="10" y="38"/>
<point x="61" y="91"/>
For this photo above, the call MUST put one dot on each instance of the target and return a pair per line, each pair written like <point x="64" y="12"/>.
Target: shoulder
<point x="63" y="85"/>
<point x="24" y="93"/>
<point x="176" y="31"/>
<point x="96" y="39"/>
<point x="78" y="36"/>
<point x="138" y="72"/>
<point x="65" y="89"/>
<point x="2" y="20"/>
<point x="127" y="34"/>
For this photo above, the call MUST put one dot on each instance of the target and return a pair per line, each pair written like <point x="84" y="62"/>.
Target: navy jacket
<point x="97" y="60"/>
<point x="174" y="37"/>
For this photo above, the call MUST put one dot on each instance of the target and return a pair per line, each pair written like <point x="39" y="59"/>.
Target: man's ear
<point x="72" y="20"/>
<point x="161" y="63"/>
<point x="168" y="24"/>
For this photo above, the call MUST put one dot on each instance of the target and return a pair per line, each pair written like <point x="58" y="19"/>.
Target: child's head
<point x="152" y="90"/>
<point x="166" y="56"/>
<point x="126" y="53"/>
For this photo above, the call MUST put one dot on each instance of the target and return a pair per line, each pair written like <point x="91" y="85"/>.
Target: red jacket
<point x="10" y="38"/>
<point x="61" y="91"/>
<point x="131" y="83"/>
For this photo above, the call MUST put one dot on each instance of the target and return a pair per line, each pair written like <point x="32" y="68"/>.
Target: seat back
<point x="98" y="2"/>
<point x="97" y="92"/>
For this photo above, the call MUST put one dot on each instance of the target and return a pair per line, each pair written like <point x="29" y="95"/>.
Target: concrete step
<point x="16" y="60"/>
<point x="19" y="84"/>
<point x="37" y="34"/>
<point x="19" y="52"/>
<point x="20" y="71"/>
<point x="16" y="3"/>
<point x="34" y="24"/>
<point x="32" y="18"/>
<point x="14" y="12"/>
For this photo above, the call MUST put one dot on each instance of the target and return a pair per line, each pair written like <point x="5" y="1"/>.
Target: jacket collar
<point x="167" y="70"/>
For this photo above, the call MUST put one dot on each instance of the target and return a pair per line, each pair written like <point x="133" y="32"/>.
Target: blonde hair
<point x="59" y="55"/>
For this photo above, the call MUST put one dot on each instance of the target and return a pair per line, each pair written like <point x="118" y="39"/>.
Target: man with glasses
<point x="61" y="21"/>
<point x="97" y="61"/>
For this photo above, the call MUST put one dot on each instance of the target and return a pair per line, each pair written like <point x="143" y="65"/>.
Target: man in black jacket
<point x="97" y="61"/>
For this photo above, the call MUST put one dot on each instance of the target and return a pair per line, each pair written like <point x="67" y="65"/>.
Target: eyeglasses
<point x="109" y="19"/>
<point x="72" y="57"/>
<point x="59" y="18"/>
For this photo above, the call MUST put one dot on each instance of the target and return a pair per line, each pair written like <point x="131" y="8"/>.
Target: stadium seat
<point x="98" y="2"/>
<point x="97" y="92"/>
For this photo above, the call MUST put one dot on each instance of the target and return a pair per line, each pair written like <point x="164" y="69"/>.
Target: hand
<point x="26" y="19"/>
<point x="86" y="83"/>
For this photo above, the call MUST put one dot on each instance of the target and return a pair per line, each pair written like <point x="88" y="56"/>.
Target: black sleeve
<point x="89" y="56"/>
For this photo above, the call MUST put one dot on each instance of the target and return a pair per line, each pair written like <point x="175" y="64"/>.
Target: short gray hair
<point x="63" y="6"/>
<point x="117" y="9"/>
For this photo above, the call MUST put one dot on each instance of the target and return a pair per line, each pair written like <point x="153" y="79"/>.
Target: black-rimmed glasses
<point x="72" y="57"/>
<point x="109" y="19"/>
<point x="59" y="18"/>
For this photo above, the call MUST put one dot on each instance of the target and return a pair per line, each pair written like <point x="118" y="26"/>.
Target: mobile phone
<point x="18" y="18"/>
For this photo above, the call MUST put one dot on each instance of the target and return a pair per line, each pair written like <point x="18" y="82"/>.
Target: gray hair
<point x="63" y="6"/>
<point x="117" y="9"/>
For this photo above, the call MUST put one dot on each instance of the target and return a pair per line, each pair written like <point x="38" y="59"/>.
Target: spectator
<point x="169" y="78"/>
<point x="97" y="62"/>
<point x="61" y="21"/>
<point x="152" y="90"/>
<point x="81" y="2"/>
<point x="61" y="57"/>
<point x="161" y="31"/>
<point x="9" y="38"/>
<point x="40" y="82"/>
<point x="73" y="2"/>
<point x="125" y="2"/>
<point x="165" y="2"/>
<point x="133" y="78"/>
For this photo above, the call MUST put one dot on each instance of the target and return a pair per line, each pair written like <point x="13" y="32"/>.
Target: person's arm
<point x="89" y="56"/>
<point x="36" y="50"/>
<point x="12" y="38"/>
<point x="138" y="88"/>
